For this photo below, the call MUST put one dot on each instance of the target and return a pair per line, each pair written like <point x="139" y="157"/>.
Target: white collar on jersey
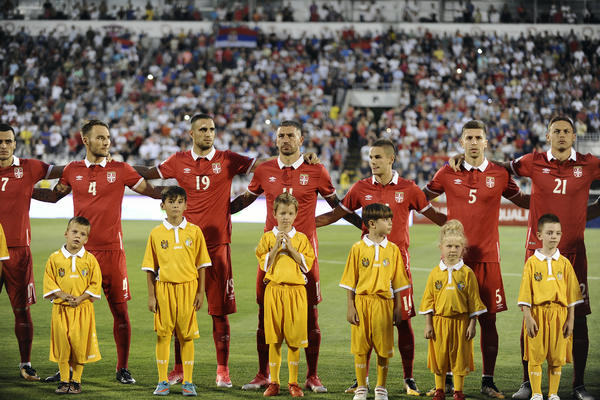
<point x="295" y="165"/>
<point x="16" y="162"/>
<point x="290" y="233"/>
<point x="394" y="180"/>
<point x="209" y="156"/>
<point x="573" y="155"/>
<point x="451" y="268"/>
<point x="73" y="257"/>
<point x="370" y="243"/>
<point x="548" y="260"/>
<point x="89" y="164"/>
<point x="182" y="225"/>
<point x="482" y="167"/>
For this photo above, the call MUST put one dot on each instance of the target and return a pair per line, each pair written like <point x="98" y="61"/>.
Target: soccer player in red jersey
<point x="206" y="175"/>
<point x="98" y="186"/>
<point x="473" y="196"/>
<point x="17" y="179"/>
<point x="402" y="196"/>
<point x="289" y="173"/>
<point x="561" y="180"/>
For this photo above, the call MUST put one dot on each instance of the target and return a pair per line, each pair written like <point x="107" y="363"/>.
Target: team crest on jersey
<point x="438" y="285"/>
<point x="84" y="272"/>
<point x="164" y="244"/>
<point x="216" y="167"/>
<point x="578" y="172"/>
<point x="399" y="197"/>
<point x="537" y="276"/>
<point x="365" y="262"/>
<point x="559" y="276"/>
<point x="111" y="176"/>
<point x="61" y="272"/>
<point x="386" y="262"/>
<point x="460" y="285"/>
<point x="303" y="179"/>
<point x="188" y="242"/>
<point x="490" y="181"/>
<point x="18" y="172"/>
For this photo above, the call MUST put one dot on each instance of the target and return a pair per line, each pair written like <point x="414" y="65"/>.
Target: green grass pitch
<point x="336" y="363"/>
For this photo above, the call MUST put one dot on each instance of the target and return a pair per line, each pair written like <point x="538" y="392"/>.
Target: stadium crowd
<point x="147" y="89"/>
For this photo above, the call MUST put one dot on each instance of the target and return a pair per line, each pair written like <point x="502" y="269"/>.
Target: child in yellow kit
<point x="548" y="295"/>
<point x="451" y="303"/>
<point x="175" y="258"/>
<point x="285" y="255"/>
<point x="3" y="252"/>
<point x="374" y="277"/>
<point x="72" y="281"/>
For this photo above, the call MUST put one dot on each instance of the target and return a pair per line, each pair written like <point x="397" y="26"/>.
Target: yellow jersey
<point x="549" y="280"/>
<point x="451" y="291"/>
<point x="3" y="248"/>
<point x="175" y="253"/>
<point x="375" y="268"/>
<point x="283" y="268"/>
<point x="75" y="274"/>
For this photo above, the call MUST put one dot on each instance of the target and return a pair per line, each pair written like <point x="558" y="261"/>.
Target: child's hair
<point x="547" y="218"/>
<point x="285" y="198"/>
<point x="375" y="211"/>
<point x="173" y="192"/>
<point x="453" y="228"/>
<point x="79" y="220"/>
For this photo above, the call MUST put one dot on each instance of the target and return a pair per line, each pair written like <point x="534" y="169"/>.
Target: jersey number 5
<point x="472" y="197"/>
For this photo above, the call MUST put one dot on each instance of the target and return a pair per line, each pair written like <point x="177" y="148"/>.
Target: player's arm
<point x="1" y="280"/>
<point x="429" y="333"/>
<point x="151" y="280"/>
<point x="56" y="172"/>
<point x="456" y="161"/>
<point x="354" y="219"/>
<point x="352" y="315"/>
<point x="530" y="324"/>
<point x="51" y="195"/>
<point x="471" y="328"/>
<point x="330" y="217"/>
<point x="435" y="216"/>
<point x="309" y="158"/>
<point x="429" y="194"/>
<point x="147" y="189"/>
<point x="521" y="199"/>
<point x="79" y="299"/>
<point x="570" y="322"/>
<point x="397" y="308"/>
<point x="242" y="201"/>
<point x="593" y="210"/>
<point x="147" y="172"/>
<point x="199" y="299"/>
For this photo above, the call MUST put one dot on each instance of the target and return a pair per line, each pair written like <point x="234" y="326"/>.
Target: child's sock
<point x="275" y="361"/>
<point x="293" y="361"/>
<point x="64" y="369"/>
<point x="459" y="382"/>
<point x="554" y="373"/>
<point x="77" y="372"/>
<point x="440" y="381"/>
<point x="382" y="370"/>
<point x="162" y="356"/>
<point x="187" y="357"/>
<point x="535" y="378"/>
<point x="360" y="367"/>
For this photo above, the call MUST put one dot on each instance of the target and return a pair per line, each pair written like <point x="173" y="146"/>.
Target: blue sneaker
<point x="188" y="389"/>
<point x="162" y="389"/>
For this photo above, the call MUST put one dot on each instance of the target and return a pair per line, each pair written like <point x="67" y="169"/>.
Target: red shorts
<point x="579" y="262"/>
<point x="220" y="295"/>
<point x="406" y="295"/>
<point x="313" y="286"/>
<point x="491" y="289"/>
<point x="17" y="277"/>
<point x="114" y="275"/>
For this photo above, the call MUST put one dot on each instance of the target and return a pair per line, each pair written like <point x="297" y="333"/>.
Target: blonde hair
<point x="285" y="198"/>
<point x="453" y="228"/>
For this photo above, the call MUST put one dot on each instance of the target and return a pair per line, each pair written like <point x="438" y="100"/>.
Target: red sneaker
<point x="175" y="376"/>
<point x="259" y="381"/>
<point x="459" y="395"/>
<point x="439" y="394"/>
<point x="295" y="390"/>
<point x="314" y="383"/>
<point x="223" y="380"/>
<point x="272" y="390"/>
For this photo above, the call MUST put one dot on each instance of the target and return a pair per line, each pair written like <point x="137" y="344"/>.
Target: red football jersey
<point x="303" y="181"/>
<point x="473" y="197"/>
<point x="97" y="195"/>
<point x="16" y="189"/>
<point x="560" y="188"/>
<point x="207" y="181"/>
<point x="400" y="195"/>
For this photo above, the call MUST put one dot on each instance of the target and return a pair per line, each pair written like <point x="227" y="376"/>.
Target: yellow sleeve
<point x="150" y="261"/>
<point x="573" y="290"/>
<point x="400" y="278"/>
<point x="476" y="306"/>
<point x="262" y="250"/>
<point x="95" y="286"/>
<point x="202" y="257"/>
<point x="350" y="276"/>
<point x="50" y="284"/>
<point x="526" y="290"/>
<point x="3" y="248"/>
<point x="308" y="254"/>
<point x="428" y="300"/>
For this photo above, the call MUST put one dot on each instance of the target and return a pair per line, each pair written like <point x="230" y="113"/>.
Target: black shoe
<point x="53" y="378"/>
<point x="74" y="387"/>
<point x="124" y="376"/>
<point x="579" y="393"/>
<point x="29" y="373"/>
<point x="63" y="388"/>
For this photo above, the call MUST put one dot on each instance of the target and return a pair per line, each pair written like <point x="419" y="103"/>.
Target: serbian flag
<point x="236" y="37"/>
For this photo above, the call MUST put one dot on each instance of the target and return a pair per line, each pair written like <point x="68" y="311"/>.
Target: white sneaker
<point x="553" y="397"/>
<point x="380" y="393"/>
<point x="360" y="393"/>
<point x="537" y="396"/>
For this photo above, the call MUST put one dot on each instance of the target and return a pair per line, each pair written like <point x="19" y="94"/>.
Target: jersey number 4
<point x="92" y="188"/>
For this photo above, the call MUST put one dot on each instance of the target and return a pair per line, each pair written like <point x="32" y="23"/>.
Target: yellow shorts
<point x="376" y="326"/>
<point x="73" y="334"/>
<point x="286" y="314"/>
<point x="175" y="309"/>
<point x="549" y="343"/>
<point x="450" y="350"/>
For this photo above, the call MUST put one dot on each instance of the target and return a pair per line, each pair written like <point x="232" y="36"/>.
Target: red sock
<point x="406" y="345"/>
<point x="121" y="332"/>
<point x="178" y="364"/>
<point x="24" y="332"/>
<point x="489" y="342"/>
<point x="261" y="346"/>
<point x="314" y="341"/>
<point x="525" y="363"/>
<point x="581" y="344"/>
<point x="221" y="333"/>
